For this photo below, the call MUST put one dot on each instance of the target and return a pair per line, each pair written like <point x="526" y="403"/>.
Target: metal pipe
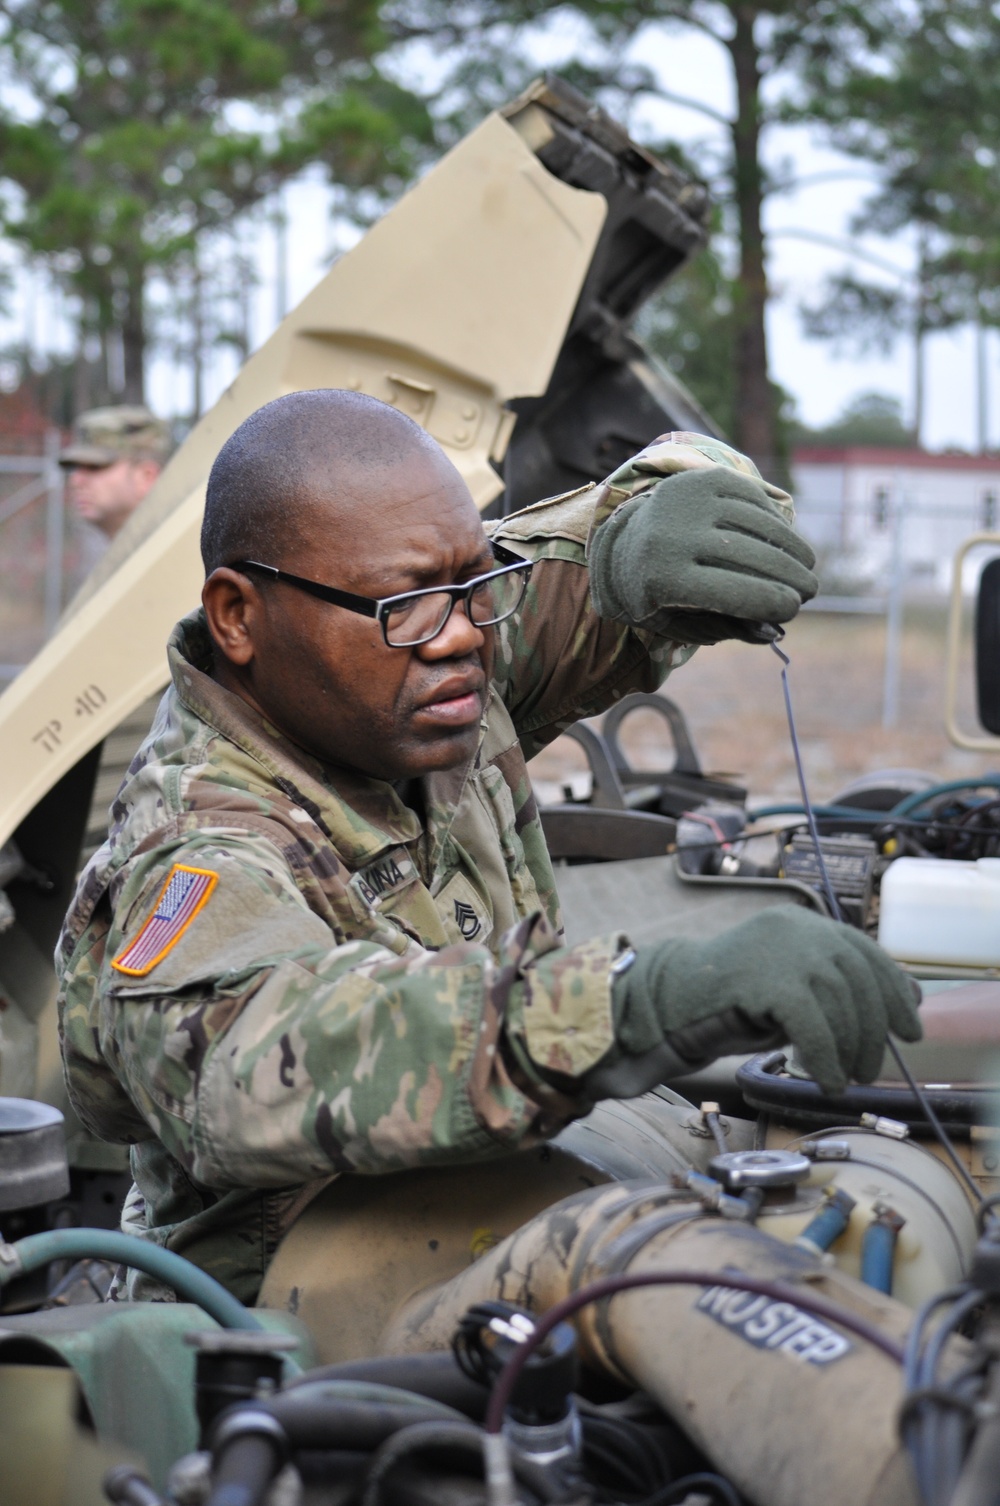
<point x="894" y="614"/>
<point x="54" y="531"/>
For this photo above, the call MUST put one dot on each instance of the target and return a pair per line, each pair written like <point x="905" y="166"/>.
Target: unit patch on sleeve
<point x="185" y="893"/>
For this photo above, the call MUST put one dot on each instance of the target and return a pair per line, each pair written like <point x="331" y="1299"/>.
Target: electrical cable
<point x="937" y="1418"/>
<point x="610" y="1286"/>
<point x="464" y="1436"/>
<point x="672" y="1494"/>
<point x="622" y="1456"/>
<point x="927" y="1109"/>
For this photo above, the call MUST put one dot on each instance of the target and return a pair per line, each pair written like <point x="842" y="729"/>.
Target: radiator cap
<point x="737" y="1169"/>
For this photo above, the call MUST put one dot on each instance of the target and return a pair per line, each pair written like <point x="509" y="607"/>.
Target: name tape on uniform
<point x="768" y="1324"/>
<point x="185" y="892"/>
<point x="391" y="872"/>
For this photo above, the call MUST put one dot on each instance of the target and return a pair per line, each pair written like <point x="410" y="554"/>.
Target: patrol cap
<point x="104" y="435"/>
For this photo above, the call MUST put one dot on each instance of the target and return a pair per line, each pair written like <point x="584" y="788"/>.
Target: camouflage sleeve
<point x="557" y="660"/>
<point x="262" y="1054"/>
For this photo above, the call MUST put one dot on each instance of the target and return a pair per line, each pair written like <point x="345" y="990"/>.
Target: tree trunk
<point x="982" y="389"/>
<point x="920" y="327"/>
<point x="197" y="338"/>
<point x="133" y="329"/>
<point x="755" y="416"/>
<point x="82" y="365"/>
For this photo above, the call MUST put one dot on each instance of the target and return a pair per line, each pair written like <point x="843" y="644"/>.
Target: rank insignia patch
<point x="186" y="891"/>
<point x="467" y="920"/>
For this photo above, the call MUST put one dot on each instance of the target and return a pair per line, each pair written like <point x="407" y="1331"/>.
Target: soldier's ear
<point x="231" y="607"/>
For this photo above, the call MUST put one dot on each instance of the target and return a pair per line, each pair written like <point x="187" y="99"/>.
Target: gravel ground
<point x="731" y="696"/>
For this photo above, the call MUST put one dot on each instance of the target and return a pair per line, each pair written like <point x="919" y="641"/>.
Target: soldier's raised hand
<point x="701" y="556"/>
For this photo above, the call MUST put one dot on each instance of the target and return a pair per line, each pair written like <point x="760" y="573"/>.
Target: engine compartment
<point x="718" y="1308"/>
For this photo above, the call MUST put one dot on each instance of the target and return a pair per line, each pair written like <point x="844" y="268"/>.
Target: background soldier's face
<point x="325" y="676"/>
<point x="107" y="495"/>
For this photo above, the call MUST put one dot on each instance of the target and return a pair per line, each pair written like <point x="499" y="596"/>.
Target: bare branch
<point x="850" y="248"/>
<point x="693" y="104"/>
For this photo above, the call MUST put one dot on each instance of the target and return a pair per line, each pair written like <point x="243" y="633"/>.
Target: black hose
<point x="802" y="1101"/>
<point x="434" y="1376"/>
<point x="248" y="1450"/>
<point x="701" y="1483"/>
<point x="332" y="1415"/>
<point x="977" y="1483"/>
<point x="461" y="1436"/>
<point x="127" y="1486"/>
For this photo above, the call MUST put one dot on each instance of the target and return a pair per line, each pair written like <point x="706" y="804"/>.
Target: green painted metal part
<point x="134" y="1368"/>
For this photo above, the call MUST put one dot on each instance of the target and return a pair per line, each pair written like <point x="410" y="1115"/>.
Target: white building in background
<point x="850" y="502"/>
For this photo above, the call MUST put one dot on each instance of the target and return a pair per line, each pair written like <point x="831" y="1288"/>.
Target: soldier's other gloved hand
<point x="786" y="975"/>
<point x="703" y="555"/>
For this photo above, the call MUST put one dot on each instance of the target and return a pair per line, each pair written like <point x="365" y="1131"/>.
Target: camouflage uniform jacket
<point x="354" y="990"/>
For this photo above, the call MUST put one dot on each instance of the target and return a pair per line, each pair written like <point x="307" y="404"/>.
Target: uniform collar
<point x="362" y="817"/>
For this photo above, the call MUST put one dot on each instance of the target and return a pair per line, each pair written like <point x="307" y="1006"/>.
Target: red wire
<point x="780" y="1292"/>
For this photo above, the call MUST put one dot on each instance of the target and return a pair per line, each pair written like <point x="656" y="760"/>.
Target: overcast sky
<point x="692" y="65"/>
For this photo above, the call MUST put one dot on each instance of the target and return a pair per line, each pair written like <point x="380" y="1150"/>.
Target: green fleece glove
<point x="786" y="975"/>
<point x="703" y="555"/>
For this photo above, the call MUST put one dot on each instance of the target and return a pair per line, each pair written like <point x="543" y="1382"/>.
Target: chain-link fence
<point x="884" y="545"/>
<point x="45" y="549"/>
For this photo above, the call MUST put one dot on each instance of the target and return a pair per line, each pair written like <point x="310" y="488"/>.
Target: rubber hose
<point x="921" y="797"/>
<point x="821" y="812"/>
<point x="442" y="1435"/>
<point x="127" y="1486"/>
<point x="878" y="1252"/>
<point x="436" y="1377"/>
<point x="244" y="1470"/>
<point x="331" y="1415"/>
<point x="189" y="1282"/>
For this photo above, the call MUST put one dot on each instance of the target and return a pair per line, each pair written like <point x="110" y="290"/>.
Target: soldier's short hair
<point x="102" y="436"/>
<point x="288" y="455"/>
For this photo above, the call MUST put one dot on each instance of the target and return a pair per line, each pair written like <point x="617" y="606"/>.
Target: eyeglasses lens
<point x="418" y="619"/>
<point x="497" y="598"/>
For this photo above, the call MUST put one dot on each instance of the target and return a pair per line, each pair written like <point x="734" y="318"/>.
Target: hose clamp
<point x="244" y="1421"/>
<point x="10" y="1263"/>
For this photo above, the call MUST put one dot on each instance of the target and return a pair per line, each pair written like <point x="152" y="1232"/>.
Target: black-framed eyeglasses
<point x="415" y="617"/>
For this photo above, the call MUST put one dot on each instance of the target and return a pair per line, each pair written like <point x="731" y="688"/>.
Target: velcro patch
<point x="389" y="873"/>
<point x="185" y="893"/>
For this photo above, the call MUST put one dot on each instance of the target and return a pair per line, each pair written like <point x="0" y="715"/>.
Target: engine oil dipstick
<point x="831" y="898"/>
<point x="926" y="1107"/>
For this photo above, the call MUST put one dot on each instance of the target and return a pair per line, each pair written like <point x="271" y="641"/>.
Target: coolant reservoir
<point x="939" y="1228"/>
<point x="941" y="912"/>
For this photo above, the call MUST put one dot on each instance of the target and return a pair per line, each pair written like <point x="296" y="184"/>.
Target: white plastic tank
<point x="936" y="911"/>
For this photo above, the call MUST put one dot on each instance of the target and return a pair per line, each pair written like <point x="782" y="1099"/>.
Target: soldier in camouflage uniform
<point x="323" y="935"/>
<point x="113" y="462"/>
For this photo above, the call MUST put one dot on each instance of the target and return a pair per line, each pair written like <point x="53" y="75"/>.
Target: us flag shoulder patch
<point x="185" y="892"/>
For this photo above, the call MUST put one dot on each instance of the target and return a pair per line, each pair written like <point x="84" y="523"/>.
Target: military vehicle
<point x="776" y="1297"/>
